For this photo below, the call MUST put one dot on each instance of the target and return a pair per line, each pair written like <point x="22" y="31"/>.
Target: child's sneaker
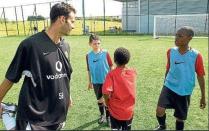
<point x="160" y="127"/>
<point x="8" y="115"/>
<point x="101" y="119"/>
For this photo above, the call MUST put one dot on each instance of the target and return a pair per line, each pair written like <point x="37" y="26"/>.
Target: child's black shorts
<point x="170" y="100"/>
<point x="120" y="124"/>
<point x="98" y="90"/>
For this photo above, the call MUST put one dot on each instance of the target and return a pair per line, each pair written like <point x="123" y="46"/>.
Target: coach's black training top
<point x="44" y="96"/>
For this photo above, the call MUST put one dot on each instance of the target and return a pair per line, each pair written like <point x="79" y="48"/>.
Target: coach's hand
<point x="90" y="86"/>
<point x="70" y="102"/>
<point x="202" y="103"/>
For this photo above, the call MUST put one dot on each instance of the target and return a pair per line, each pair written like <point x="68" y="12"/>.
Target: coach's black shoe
<point x="101" y="119"/>
<point x="160" y="127"/>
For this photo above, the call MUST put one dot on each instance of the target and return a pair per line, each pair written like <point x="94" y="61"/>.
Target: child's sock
<point x="107" y="112"/>
<point x="179" y="125"/>
<point x="161" y="120"/>
<point x="101" y="108"/>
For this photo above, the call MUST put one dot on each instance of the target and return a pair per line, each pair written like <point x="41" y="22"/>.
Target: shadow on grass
<point x="91" y="123"/>
<point x="103" y="125"/>
<point x="86" y="125"/>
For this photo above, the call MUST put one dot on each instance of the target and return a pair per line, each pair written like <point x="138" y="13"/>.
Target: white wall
<point x="130" y="20"/>
<point x="138" y="12"/>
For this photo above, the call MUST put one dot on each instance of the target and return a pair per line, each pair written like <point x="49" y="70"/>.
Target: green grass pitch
<point x="148" y="56"/>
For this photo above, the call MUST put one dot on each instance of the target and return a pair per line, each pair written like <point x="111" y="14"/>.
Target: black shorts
<point x="22" y="125"/>
<point x="98" y="90"/>
<point x="120" y="124"/>
<point x="170" y="100"/>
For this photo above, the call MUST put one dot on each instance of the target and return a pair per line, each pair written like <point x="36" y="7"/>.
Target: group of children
<point x="115" y="88"/>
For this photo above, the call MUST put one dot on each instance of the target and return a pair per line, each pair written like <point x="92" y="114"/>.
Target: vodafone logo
<point x="58" y="66"/>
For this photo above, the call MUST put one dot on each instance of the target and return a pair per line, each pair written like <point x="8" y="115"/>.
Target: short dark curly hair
<point x="188" y="30"/>
<point x="121" y="56"/>
<point x="60" y="9"/>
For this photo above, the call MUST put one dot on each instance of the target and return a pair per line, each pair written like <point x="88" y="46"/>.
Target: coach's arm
<point x="4" y="88"/>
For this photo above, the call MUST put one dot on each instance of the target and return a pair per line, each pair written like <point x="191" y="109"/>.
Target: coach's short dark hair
<point x="93" y="37"/>
<point x="121" y="56"/>
<point x="61" y="9"/>
<point x="188" y="30"/>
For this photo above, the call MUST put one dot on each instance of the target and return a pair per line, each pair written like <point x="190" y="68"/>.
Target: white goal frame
<point x="175" y="21"/>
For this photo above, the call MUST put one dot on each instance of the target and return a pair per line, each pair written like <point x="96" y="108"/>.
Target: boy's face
<point x="95" y="44"/>
<point x="182" y="39"/>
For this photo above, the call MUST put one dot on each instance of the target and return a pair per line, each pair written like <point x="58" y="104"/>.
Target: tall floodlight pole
<point x="84" y="18"/>
<point x="35" y="15"/>
<point x="104" y="15"/>
<point x="176" y="16"/>
<point x="16" y="21"/>
<point x="5" y="22"/>
<point x="126" y="15"/>
<point x="148" y="18"/>
<point x="208" y="19"/>
<point x="23" y="19"/>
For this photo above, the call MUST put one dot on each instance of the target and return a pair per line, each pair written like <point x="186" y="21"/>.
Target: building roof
<point x="125" y="0"/>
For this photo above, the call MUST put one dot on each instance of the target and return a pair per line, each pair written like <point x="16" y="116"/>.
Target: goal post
<point x="167" y="25"/>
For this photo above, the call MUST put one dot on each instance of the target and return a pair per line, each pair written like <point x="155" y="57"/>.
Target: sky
<point x="92" y="8"/>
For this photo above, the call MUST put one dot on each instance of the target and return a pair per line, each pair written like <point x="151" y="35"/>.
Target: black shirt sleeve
<point x="17" y="65"/>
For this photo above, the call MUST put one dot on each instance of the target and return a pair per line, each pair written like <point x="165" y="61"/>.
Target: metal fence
<point x="29" y="19"/>
<point x="24" y="19"/>
<point x="137" y="16"/>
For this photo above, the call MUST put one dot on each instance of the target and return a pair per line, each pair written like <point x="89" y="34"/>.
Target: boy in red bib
<point x="119" y="90"/>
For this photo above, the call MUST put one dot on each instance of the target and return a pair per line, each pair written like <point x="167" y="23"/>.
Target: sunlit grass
<point x="148" y="56"/>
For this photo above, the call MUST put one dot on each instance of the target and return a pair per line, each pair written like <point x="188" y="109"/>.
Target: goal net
<point x="167" y="25"/>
